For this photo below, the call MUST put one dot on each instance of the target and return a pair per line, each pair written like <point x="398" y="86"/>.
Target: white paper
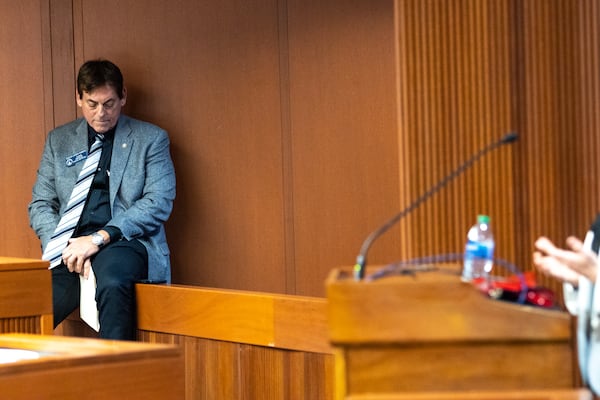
<point x="88" y="310"/>
<point x="15" y="355"/>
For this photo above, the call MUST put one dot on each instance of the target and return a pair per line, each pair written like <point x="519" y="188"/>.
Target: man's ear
<point x="124" y="98"/>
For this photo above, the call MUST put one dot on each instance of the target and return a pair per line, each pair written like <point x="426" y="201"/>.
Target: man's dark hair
<point x="96" y="73"/>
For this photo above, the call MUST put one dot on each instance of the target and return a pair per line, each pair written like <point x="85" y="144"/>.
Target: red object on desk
<point x="509" y="289"/>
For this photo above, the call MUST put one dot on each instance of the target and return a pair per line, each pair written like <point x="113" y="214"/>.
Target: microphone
<point x="361" y="259"/>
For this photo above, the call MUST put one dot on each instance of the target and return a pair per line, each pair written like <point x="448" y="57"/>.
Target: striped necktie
<point x="68" y="222"/>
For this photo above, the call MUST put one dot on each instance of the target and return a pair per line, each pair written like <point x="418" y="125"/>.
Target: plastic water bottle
<point x="479" y="250"/>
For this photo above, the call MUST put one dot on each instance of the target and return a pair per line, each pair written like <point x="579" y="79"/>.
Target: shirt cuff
<point x="114" y="233"/>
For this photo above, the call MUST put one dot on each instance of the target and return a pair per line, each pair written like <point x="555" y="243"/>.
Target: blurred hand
<point x="566" y="265"/>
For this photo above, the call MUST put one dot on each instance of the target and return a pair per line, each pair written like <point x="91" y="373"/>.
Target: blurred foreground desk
<point x="64" y="368"/>
<point x="430" y="332"/>
<point x="25" y="296"/>
<point x="549" y="394"/>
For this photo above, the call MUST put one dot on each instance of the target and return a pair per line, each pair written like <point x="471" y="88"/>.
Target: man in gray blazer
<point x="119" y="236"/>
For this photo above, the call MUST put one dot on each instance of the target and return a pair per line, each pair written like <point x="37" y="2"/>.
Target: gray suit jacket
<point x="142" y="185"/>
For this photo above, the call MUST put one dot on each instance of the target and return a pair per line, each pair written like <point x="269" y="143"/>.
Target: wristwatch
<point x="97" y="239"/>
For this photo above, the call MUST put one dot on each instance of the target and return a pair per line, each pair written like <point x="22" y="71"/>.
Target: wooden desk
<point x="25" y="296"/>
<point x="557" y="394"/>
<point x="75" y="368"/>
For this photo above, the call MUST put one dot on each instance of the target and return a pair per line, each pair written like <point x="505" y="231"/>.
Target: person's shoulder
<point x="66" y="133"/>
<point x="140" y="125"/>
<point x="143" y="131"/>
<point x="68" y="127"/>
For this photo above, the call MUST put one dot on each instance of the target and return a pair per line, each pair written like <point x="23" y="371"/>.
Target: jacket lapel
<point x="76" y="143"/>
<point x="120" y="154"/>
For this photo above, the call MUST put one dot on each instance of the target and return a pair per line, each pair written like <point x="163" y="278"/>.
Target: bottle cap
<point x="483" y="219"/>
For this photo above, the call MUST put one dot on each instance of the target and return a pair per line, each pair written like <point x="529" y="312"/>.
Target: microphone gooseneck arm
<point x="361" y="259"/>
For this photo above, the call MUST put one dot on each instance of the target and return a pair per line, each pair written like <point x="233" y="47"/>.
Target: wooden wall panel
<point x="455" y="88"/>
<point x="217" y="369"/>
<point x="587" y="45"/>
<point x="61" y="62"/>
<point x="471" y="71"/>
<point x="549" y="159"/>
<point x="208" y="72"/>
<point x="559" y="162"/>
<point x="343" y="132"/>
<point x="225" y="370"/>
<point x="22" y="116"/>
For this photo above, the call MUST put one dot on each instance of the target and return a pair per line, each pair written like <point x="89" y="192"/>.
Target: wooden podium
<point x="431" y="332"/>
<point x="25" y="296"/>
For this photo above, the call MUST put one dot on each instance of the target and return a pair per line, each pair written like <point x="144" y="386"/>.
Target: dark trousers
<point x="117" y="267"/>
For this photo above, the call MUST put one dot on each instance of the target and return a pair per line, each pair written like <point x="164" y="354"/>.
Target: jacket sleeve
<point x="44" y="206"/>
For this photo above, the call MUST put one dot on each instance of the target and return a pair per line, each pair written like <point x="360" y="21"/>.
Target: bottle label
<point x="479" y="249"/>
<point x="478" y="261"/>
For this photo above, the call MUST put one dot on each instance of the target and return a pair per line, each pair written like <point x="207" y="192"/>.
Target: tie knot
<point x="99" y="137"/>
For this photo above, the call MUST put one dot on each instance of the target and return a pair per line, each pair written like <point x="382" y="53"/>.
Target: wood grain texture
<point x="564" y="394"/>
<point x="456" y="367"/>
<point x="343" y="132"/>
<point x="281" y="321"/>
<point x="455" y="88"/>
<point x="413" y="309"/>
<point x="399" y="335"/>
<point x="70" y="368"/>
<point x="22" y="119"/>
<point x="25" y="296"/>
<point x="242" y="345"/>
<point x="220" y="369"/>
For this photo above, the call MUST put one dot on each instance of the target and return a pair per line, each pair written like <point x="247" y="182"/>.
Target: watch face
<point x="97" y="239"/>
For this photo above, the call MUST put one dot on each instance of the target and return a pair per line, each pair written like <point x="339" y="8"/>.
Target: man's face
<point x="101" y="107"/>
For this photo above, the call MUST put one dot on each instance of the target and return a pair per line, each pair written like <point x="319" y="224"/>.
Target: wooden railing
<point x="241" y="344"/>
<point x="237" y="344"/>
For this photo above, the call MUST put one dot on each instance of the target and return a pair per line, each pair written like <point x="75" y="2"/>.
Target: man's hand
<point x="76" y="255"/>
<point x="566" y="265"/>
